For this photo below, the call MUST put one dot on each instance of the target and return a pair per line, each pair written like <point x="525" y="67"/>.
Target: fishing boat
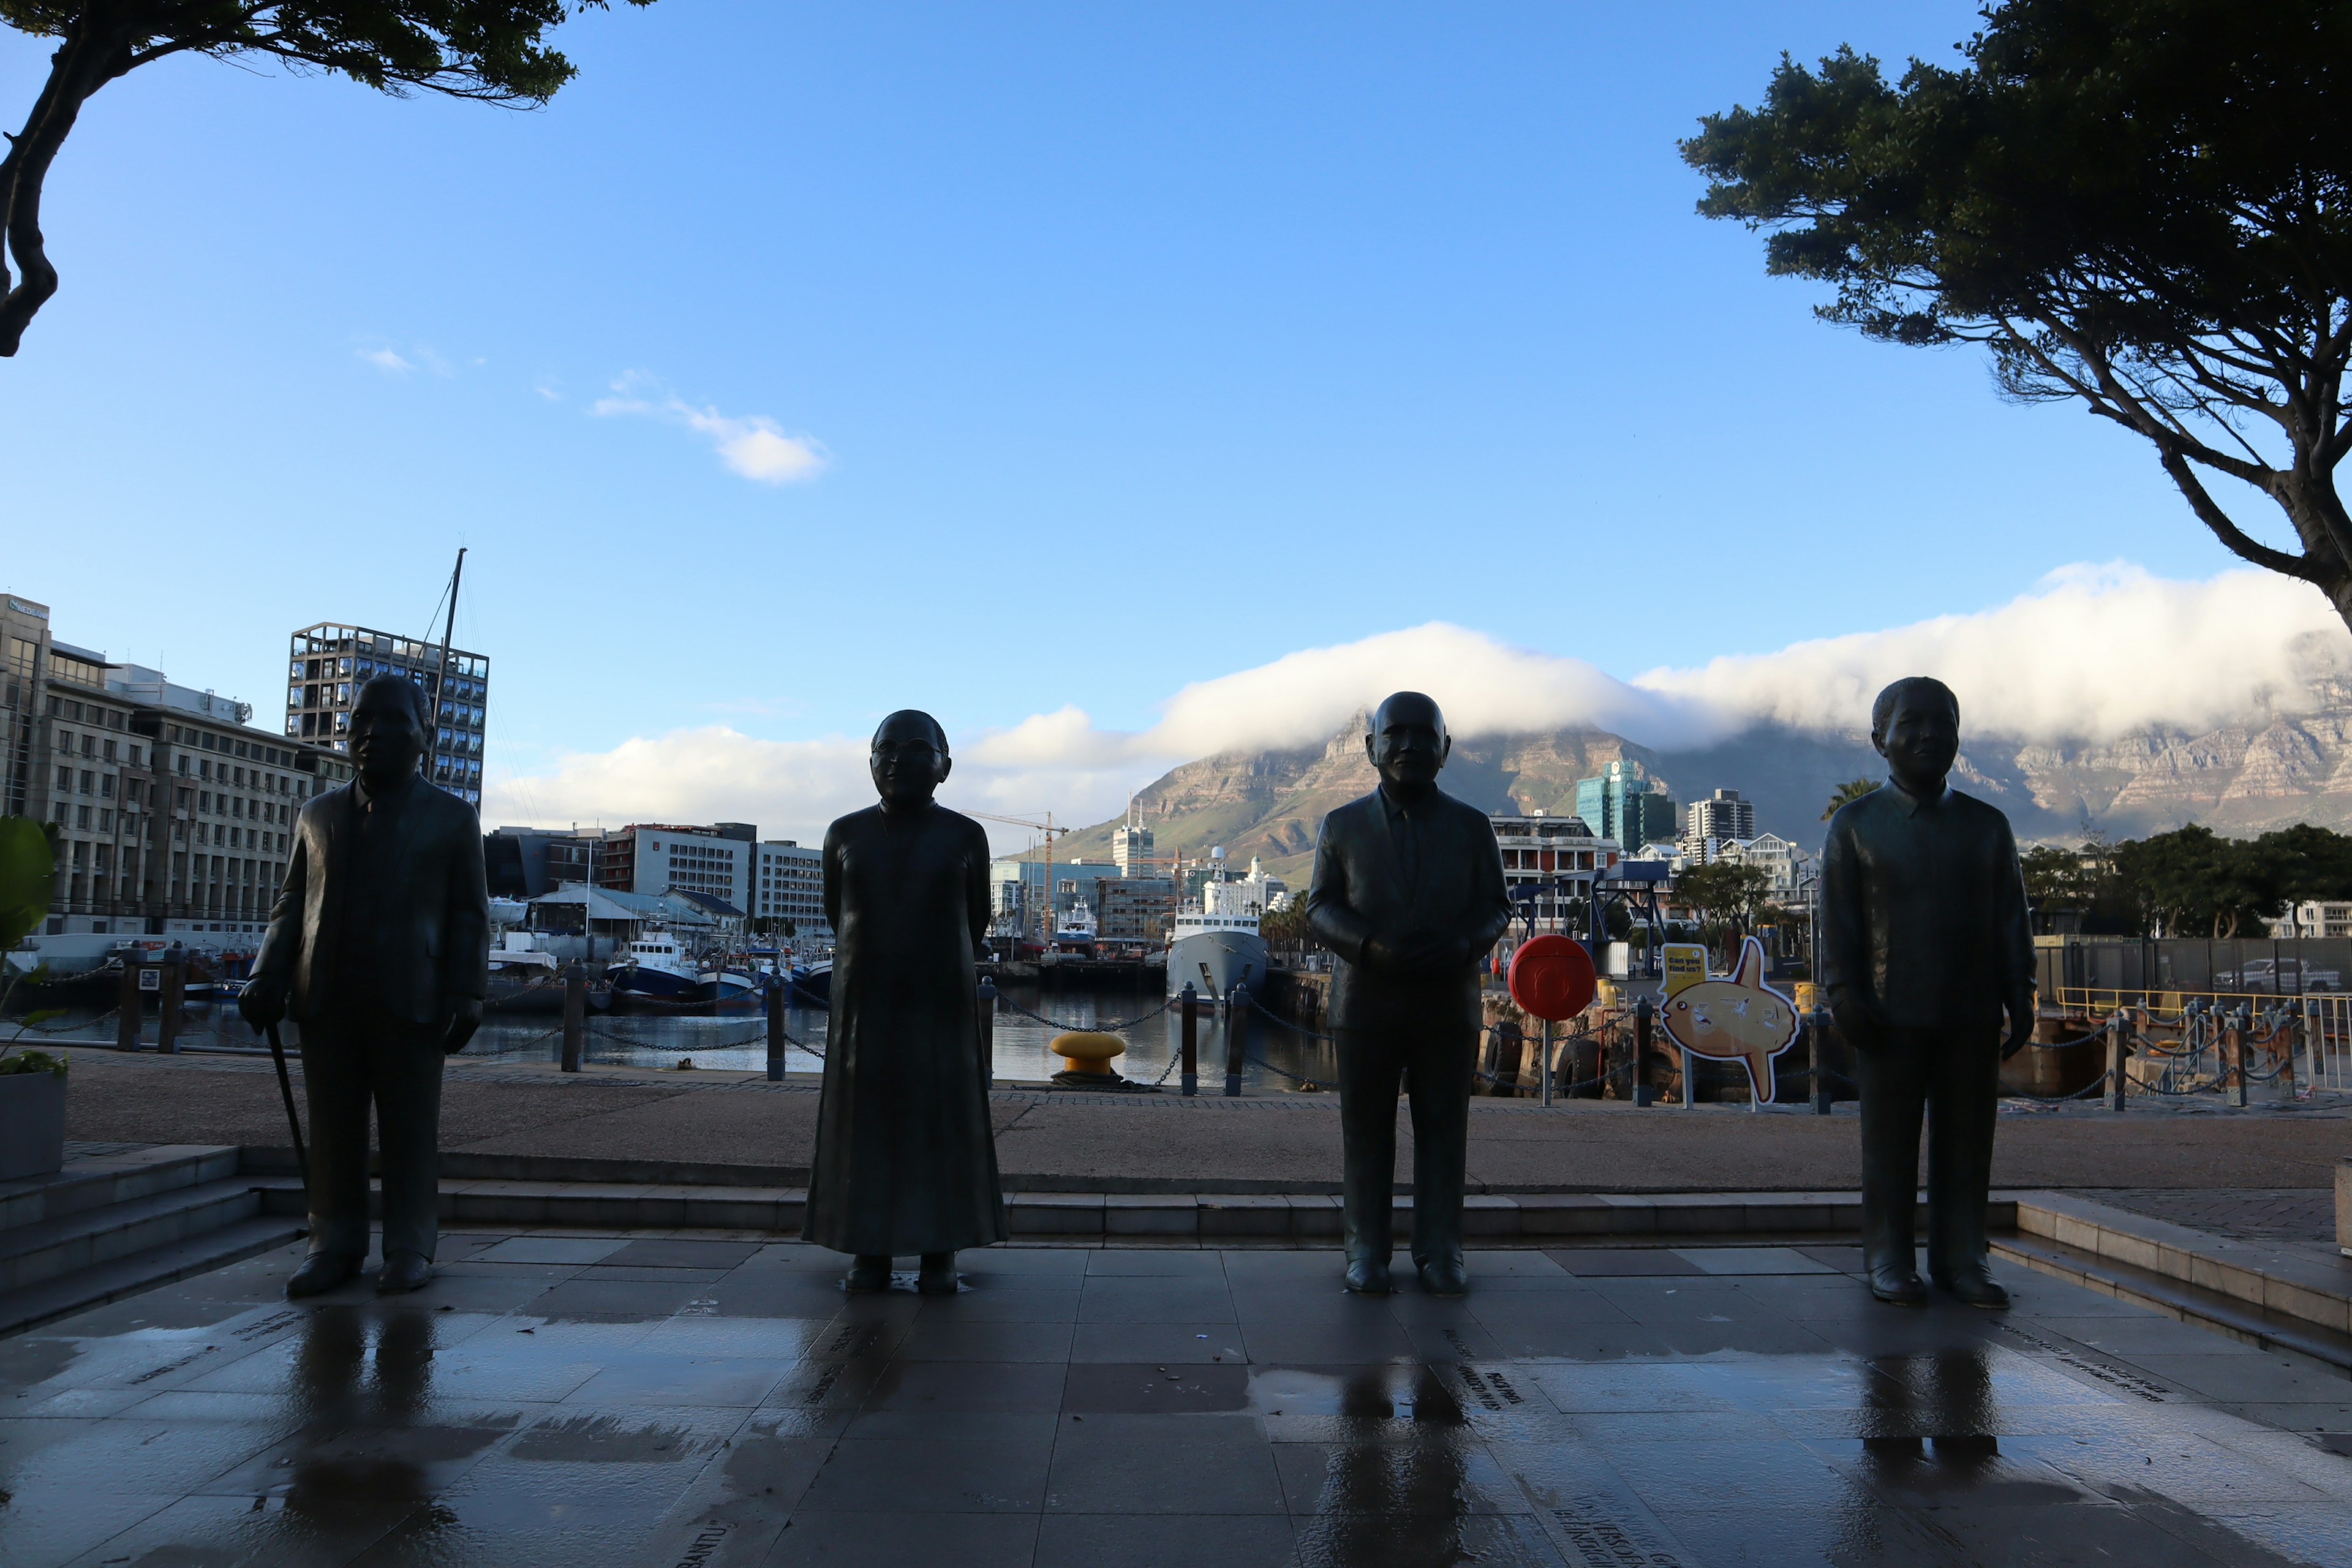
<point x="524" y="980"/>
<point x="811" y="984"/>
<point x="653" y="967"/>
<point x="723" y="984"/>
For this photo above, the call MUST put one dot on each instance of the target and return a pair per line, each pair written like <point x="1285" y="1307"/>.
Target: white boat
<point x="1216" y="946"/>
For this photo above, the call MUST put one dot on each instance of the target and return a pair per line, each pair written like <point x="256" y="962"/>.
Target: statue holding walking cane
<point x="379" y="948"/>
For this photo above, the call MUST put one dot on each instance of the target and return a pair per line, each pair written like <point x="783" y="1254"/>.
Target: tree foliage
<point x="2135" y="204"/>
<point x="493" y="50"/>
<point x="1724" y="890"/>
<point x="2190" y="881"/>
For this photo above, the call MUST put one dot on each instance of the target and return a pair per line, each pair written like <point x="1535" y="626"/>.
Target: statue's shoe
<point x="404" y="1272"/>
<point x="321" y="1272"/>
<point x="1898" y="1288"/>
<point x="868" y="1274"/>
<point x="1978" y="1287"/>
<point x="1367" y="1277"/>
<point x="939" y="1275"/>
<point x="1444" y="1277"/>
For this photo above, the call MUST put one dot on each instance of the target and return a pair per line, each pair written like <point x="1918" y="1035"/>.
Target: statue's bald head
<point x="1408" y="744"/>
<point x="909" y="724"/>
<point x="1408" y="708"/>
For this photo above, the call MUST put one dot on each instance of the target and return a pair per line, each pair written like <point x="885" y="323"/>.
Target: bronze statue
<point x="380" y="939"/>
<point x="1408" y="891"/>
<point x="1925" y="946"/>
<point x="906" y="1159"/>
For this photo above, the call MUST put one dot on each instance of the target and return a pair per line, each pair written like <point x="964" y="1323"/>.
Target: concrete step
<point x="30" y="1253"/>
<point x="96" y="1175"/>
<point x="2303" y="1284"/>
<point x="143" y="1271"/>
<point x="2241" y="1319"/>
<point x="1216" y="1218"/>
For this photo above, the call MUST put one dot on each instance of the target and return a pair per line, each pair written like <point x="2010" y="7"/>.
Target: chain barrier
<point x="2092" y="1088"/>
<point x="1008" y="1005"/>
<point x="61" y="1028"/>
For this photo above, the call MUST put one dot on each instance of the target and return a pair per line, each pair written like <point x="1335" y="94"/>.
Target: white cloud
<point x="753" y="444"/>
<point x="384" y="359"/>
<point x="2090" y="653"/>
<point x="420" y="356"/>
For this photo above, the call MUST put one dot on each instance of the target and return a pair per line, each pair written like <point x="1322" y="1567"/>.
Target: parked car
<point x="2278" y="977"/>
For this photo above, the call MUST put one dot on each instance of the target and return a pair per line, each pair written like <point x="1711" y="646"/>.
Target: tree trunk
<point x="96" y="51"/>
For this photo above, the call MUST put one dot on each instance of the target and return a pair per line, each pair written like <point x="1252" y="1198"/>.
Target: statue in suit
<point x="1408" y="891"/>
<point x="906" y="1159"/>
<point x="379" y="945"/>
<point x="1925" y="946"/>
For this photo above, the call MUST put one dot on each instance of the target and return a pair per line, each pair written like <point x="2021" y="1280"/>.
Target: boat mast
<point x="441" y="680"/>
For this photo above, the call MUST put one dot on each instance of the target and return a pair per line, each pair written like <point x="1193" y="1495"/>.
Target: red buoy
<point x="1552" y="977"/>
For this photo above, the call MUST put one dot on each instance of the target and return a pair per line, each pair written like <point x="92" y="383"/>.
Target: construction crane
<point x="1050" y="832"/>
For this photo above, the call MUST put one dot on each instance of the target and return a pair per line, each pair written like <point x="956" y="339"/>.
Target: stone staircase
<point x="122" y="1219"/>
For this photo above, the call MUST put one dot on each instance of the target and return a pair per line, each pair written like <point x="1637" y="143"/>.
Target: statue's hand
<point x="462" y="1025"/>
<point x="262" y="1003"/>
<point x="2021" y="1025"/>
<point x="1858" y="1022"/>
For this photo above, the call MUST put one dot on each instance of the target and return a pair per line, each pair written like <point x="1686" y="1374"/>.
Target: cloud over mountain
<point x="2090" y="654"/>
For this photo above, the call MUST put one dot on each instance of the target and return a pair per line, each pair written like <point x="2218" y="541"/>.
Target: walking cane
<point x="286" y="1090"/>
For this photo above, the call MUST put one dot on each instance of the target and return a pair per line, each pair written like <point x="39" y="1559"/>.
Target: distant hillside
<point x="2268" y="772"/>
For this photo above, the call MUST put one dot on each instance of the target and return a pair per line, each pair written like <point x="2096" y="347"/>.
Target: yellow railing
<point x="2078" y="1000"/>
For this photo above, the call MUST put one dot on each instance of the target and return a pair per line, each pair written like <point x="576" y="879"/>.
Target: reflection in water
<point x="1940" y="1404"/>
<point x="1398" y="1493"/>
<point x="364" y="1379"/>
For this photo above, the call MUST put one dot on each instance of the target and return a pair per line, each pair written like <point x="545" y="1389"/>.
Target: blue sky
<point x="1140" y="345"/>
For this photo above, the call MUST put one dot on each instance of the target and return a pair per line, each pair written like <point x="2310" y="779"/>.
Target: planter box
<point x="32" y="1124"/>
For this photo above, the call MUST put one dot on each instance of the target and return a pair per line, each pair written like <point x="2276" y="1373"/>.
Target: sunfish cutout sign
<point x="1735" y="1018"/>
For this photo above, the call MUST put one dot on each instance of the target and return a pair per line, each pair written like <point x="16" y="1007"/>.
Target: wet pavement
<point x="577" y="1400"/>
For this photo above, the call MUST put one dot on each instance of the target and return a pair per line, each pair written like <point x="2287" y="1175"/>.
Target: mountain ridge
<point x="2269" y="770"/>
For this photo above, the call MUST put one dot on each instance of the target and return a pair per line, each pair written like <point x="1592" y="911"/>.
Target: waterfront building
<point x="173" y="814"/>
<point x="1563" y="851"/>
<point x="2315" y="917"/>
<point x="1625" y="804"/>
<point x="328" y="663"/>
<point x="1789" y="864"/>
<point x="1017" y="889"/>
<point x="791" y="887"/>
<point x="1722" y="815"/>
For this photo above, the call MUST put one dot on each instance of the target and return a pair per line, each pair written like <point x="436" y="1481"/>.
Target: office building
<point x="328" y="663"/>
<point x="1722" y="815"/>
<point x="1624" y="803"/>
<point x="174" y="815"/>
<point x="1134" y="909"/>
<point x="661" y="857"/>
<point x="1017" y="889"/>
<point x="791" y="889"/>
<point x="1131" y="850"/>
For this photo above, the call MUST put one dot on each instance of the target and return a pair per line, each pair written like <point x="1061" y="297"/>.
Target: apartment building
<point x="791" y="887"/>
<point x="1561" y="851"/>
<point x="328" y="663"/>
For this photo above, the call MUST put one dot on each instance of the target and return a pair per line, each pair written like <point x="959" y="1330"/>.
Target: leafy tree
<point x="1846" y="794"/>
<point x="2138" y="206"/>
<point x="486" y="49"/>
<point x="2191" y="881"/>
<point x="1287" y="924"/>
<point x="2308" y="862"/>
<point x="1729" y="891"/>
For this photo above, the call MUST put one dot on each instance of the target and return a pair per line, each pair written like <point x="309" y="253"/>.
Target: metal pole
<point x="1817" y="1024"/>
<point x="1546" y="1069"/>
<point x="575" y="1016"/>
<point x="2312" y="1043"/>
<point x="1237" y="1022"/>
<point x="987" y="1033"/>
<point x="1190" y="1000"/>
<point x="776" y="1000"/>
<point x="2288" y="1018"/>
<point x="293" y="1121"/>
<point x="2236" y="1036"/>
<point x="2117" y="1026"/>
<point x="1642" y="1094"/>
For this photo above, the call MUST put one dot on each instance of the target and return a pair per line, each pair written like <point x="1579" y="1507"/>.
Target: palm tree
<point x="1852" y="790"/>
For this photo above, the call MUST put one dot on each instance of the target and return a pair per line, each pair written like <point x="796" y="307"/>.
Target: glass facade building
<point x="328" y="663"/>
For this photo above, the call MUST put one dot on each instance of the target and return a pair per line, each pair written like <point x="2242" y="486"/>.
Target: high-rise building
<point x="648" y="857"/>
<point x="791" y="887"/>
<point x="328" y="663"/>
<point x="1721" y="815"/>
<point x="1626" y="804"/>
<point x="1131" y="850"/>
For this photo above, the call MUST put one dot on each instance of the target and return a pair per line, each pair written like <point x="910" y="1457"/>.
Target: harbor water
<point x="736" y="1040"/>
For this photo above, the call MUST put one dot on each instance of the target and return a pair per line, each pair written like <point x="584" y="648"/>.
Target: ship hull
<point x="1214" y="962"/>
